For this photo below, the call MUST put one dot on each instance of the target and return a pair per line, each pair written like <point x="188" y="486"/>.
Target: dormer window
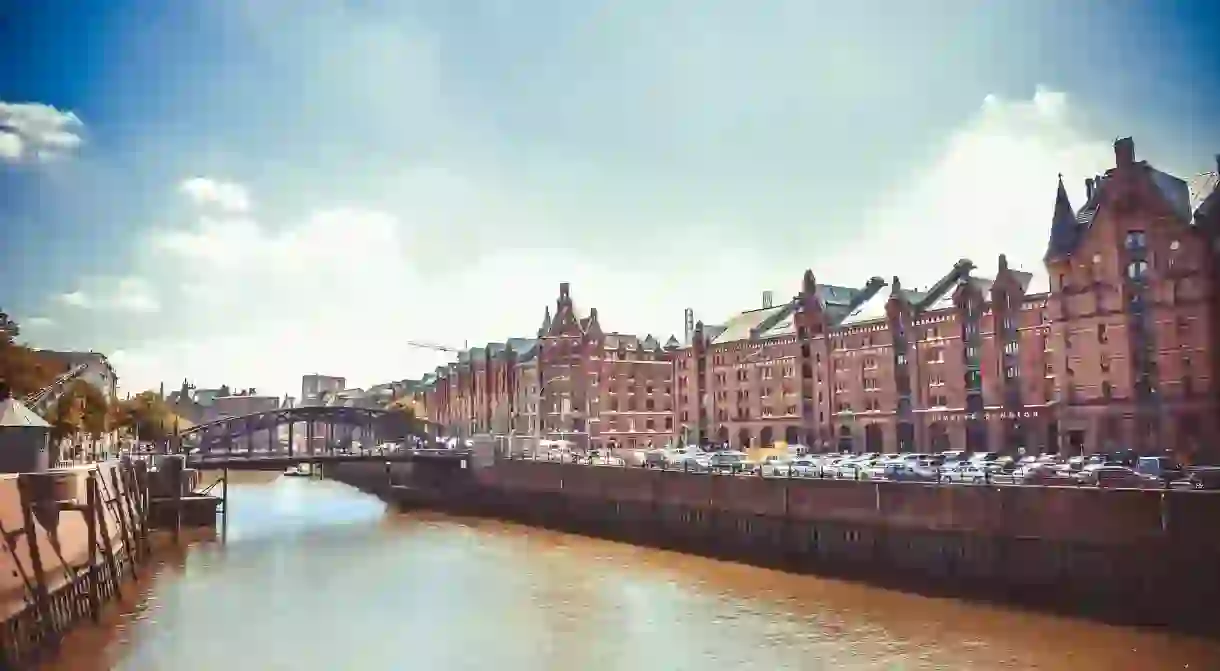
<point x="1136" y="240"/>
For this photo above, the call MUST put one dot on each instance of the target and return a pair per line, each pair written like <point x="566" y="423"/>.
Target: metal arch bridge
<point x="213" y="442"/>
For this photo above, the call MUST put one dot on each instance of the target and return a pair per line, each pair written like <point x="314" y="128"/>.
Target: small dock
<point x="194" y="511"/>
<point x="176" y="500"/>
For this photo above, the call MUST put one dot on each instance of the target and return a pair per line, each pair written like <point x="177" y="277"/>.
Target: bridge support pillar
<point x="291" y="424"/>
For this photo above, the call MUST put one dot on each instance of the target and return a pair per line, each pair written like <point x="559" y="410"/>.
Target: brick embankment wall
<point x="1134" y="556"/>
<point x="28" y="628"/>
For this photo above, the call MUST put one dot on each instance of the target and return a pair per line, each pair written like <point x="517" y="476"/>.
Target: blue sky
<point x="248" y="191"/>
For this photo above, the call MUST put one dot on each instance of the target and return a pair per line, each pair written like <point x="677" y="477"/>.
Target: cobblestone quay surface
<point x="1130" y="556"/>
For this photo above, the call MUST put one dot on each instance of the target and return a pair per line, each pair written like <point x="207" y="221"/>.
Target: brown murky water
<point x="314" y="575"/>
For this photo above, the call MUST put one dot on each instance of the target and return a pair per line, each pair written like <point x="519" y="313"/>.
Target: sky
<point x="244" y="192"/>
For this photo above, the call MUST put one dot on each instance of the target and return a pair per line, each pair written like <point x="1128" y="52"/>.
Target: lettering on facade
<point x="985" y="416"/>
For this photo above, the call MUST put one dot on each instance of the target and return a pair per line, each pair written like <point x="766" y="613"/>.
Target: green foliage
<point x="147" y="415"/>
<point x="24" y="370"/>
<point x="401" y="421"/>
<point x="9" y="330"/>
<point x="80" y="409"/>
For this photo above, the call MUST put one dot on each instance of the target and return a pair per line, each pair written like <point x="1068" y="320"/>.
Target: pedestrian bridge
<point x="276" y="461"/>
<point x="308" y="434"/>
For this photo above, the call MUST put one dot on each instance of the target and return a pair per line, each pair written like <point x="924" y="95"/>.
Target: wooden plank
<point x="41" y="597"/>
<point x="91" y="506"/>
<point x="128" y="539"/>
<point x="107" y="545"/>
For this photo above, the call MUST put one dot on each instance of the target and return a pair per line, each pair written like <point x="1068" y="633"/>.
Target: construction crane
<point x="434" y="346"/>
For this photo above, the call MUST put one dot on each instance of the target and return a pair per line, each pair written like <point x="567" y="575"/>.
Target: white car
<point x="964" y="472"/>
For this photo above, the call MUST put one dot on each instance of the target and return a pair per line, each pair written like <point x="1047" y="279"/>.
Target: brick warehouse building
<point x="1116" y="353"/>
<point x="573" y="382"/>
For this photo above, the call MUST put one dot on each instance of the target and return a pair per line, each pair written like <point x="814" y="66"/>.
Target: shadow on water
<point x="315" y="575"/>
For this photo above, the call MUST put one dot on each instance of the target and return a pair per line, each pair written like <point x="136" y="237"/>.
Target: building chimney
<point x="1124" y="152"/>
<point x="1088" y="188"/>
<point x="688" y="323"/>
<point x="768" y="299"/>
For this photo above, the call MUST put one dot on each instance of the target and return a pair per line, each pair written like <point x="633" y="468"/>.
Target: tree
<point x="67" y="417"/>
<point x="8" y="329"/>
<point x="24" y="370"/>
<point x="81" y="409"/>
<point x="149" y="416"/>
<point x="401" y="421"/>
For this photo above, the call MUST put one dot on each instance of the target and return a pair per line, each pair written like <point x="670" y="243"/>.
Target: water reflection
<point x="315" y="575"/>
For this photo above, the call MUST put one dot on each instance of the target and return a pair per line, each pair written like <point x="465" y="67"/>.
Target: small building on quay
<point x="24" y="437"/>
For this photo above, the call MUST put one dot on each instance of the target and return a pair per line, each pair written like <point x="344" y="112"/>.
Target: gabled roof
<point x="741" y="326"/>
<point x="870" y="309"/>
<point x="1204" y="193"/>
<point x="1184" y="198"/>
<point x="14" y="413"/>
<point x="837" y="301"/>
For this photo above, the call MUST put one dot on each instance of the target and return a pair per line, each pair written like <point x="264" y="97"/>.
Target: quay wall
<point x="51" y="579"/>
<point x="1134" y="556"/>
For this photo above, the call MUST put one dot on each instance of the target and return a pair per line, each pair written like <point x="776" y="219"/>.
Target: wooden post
<point x="91" y="504"/>
<point x="107" y="547"/>
<point x="141" y="477"/>
<point x="175" y="484"/>
<point x="41" y="597"/>
<point x="134" y="500"/>
<point x="121" y="512"/>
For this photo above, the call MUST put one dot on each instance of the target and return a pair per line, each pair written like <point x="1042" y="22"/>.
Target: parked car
<point x="1112" y="475"/>
<point x="1202" y="477"/>
<point x="851" y="470"/>
<point x="1164" y="469"/>
<point x="692" y="463"/>
<point x="1037" y="474"/>
<point x="656" y="459"/>
<point x="964" y="471"/>
<point x="918" y="472"/>
<point x="728" y="462"/>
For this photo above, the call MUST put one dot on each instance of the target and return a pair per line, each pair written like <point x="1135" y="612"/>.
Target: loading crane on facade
<point x="434" y="346"/>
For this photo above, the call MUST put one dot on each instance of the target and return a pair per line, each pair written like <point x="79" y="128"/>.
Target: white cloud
<point x="37" y="322"/>
<point x="37" y="132"/>
<point x="225" y="196"/>
<point x="76" y="299"/>
<point x="990" y="191"/>
<point x="134" y="294"/>
<point x="341" y="290"/>
<point x="123" y="294"/>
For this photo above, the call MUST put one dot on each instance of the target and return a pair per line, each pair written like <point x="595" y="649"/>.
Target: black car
<point x="1203" y="477"/>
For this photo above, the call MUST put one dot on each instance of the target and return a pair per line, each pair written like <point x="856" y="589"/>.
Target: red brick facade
<point x="1117" y="353"/>
<point x="572" y="382"/>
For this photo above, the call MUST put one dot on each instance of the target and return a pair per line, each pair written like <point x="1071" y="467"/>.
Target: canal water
<point x="315" y="575"/>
